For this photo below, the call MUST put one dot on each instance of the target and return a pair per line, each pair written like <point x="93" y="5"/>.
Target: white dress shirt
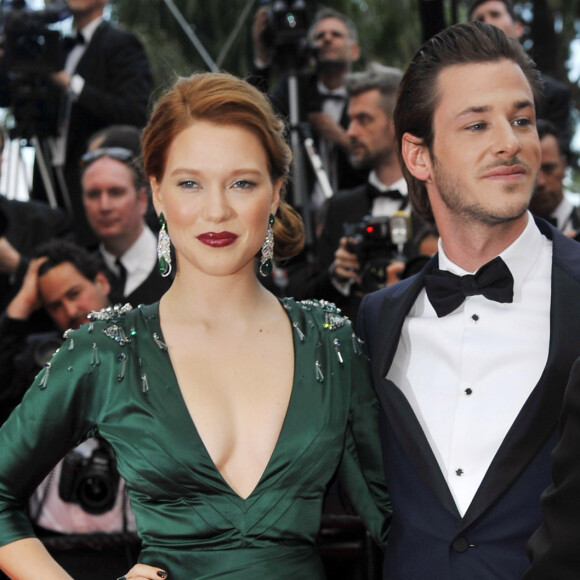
<point x="139" y="260"/>
<point x="468" y="374"/>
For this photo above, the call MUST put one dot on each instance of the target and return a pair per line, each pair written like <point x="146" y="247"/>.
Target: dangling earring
<point x="164" y="248"/>
<point x="266" y="264"/>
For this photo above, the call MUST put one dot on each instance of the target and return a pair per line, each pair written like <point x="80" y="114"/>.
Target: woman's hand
<point x="144" y="572"/>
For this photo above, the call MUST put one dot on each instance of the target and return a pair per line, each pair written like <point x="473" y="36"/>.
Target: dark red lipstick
<point x="217" y="239"/>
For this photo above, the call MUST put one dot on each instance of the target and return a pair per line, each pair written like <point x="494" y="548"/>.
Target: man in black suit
<point x="106" y="79"/>
<point x="342" y="279"/>
<point x="555" y="104"/>
<point x="116" y="201"/>
<point x="471" y="356"/>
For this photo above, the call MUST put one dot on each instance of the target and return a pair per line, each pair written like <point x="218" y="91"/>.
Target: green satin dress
<point x="114" y="376"/>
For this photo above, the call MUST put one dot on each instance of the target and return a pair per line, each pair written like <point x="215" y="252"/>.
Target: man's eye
<point x="524" y="122"/>
<point x="477" y="127"/>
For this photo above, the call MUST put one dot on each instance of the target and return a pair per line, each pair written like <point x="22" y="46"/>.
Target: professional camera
<point x="287" y="31"/>
<point x="32" y="51"/>
<point x="92" y="482"/>
<point x="378" y="241"/>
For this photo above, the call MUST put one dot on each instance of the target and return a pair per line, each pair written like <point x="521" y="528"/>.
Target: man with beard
<point x="371" y="134"/>
<point x="471" y="356"/>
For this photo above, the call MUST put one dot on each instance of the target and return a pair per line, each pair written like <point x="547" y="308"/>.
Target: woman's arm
<point x="28" y="559"/>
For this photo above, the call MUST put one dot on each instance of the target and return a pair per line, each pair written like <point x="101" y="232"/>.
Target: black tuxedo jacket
<point x="428" y="537"/>
<point x="553" y="548"/>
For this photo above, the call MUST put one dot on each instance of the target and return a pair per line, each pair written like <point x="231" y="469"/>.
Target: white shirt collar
<point x="400" y="184"/>
<point x="520" y="256"/>
<point x="340" y="92"/>
<point x="562" y="214"/>
<point x="89" y="30"/>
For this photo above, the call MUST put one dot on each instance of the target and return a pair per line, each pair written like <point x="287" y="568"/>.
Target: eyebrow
<point x="518" y="106"/>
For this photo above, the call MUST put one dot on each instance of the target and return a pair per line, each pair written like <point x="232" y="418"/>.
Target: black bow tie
<point x="374" y="192"/>
<point x="71" y="41"/>
<point x="447" y="291"/>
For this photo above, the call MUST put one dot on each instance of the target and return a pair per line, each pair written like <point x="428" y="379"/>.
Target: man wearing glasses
<point x="115" y="200"/>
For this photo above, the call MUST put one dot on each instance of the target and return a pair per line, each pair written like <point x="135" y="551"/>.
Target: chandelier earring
<point x="266" y="261"/>
<point x="164" y="248"/>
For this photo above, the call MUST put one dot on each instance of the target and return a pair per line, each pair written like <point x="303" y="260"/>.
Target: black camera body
<point x="92" y="482"/>
<point x="287" y="31"/>
<point x="377" y="242"/>
<point x="32" y="51"/>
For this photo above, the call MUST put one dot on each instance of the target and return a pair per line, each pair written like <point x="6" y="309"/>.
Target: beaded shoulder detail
<point x="332" y="318"/>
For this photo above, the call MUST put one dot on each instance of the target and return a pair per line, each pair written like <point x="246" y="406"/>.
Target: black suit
<point x="428" y="537"/>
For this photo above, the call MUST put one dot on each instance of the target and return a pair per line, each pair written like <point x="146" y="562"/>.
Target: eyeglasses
<point x="118" y="153"/>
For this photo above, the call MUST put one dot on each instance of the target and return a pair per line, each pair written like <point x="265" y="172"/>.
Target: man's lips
<point x="506" y="172"/>
<point x="217" y="239"/>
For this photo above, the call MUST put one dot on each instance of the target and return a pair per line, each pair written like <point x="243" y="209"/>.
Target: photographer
<point x="104" y="78"/>
<point x="343" y="278"/>
<point x="80" y="509"/>
<point x="322" y="98"/>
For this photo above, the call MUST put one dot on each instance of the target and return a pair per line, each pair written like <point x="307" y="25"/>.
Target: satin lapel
<point x="539" y="416"/>
<point x="400" y="416"/>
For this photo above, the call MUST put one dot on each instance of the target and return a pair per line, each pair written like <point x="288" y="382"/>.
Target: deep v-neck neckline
<point x="197" y="434"/>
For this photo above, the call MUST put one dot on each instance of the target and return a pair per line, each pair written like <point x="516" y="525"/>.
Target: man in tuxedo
<point x="106" y="79"/>
<point x="556" y="102"/>
<point x="116" y="201"/>
<point x="548" y="200"/>
<point x="343" y="279"/>
<point x="471" y="356"/>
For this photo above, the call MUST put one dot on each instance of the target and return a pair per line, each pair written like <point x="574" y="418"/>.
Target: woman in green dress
<point x="229" y="410"/>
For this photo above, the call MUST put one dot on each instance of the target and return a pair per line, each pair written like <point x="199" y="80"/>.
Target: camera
<point x="92" y="482"/>
<point x="287" y="31"/>
<point x="377" y="242"/>
<point x="32" y="50"/>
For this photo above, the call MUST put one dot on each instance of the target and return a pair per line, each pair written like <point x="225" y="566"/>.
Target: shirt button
<point x="459" y="472"/>
<point x="475" y="317"/>
<point x="468" y="391"/>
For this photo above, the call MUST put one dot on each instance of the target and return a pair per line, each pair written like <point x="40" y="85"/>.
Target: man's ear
<point x="416" y="157"/>
<point x="102" y="283"/>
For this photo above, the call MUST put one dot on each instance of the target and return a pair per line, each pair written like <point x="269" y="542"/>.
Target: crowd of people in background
<point x="88" y="239"/>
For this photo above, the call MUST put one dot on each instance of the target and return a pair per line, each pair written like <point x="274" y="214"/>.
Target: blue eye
<point x="244" y="184"/>
<point x="188" y="184"/>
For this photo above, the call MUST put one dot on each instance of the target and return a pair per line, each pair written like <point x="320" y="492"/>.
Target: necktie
<point x="119" y="290"/>
<point x="447" y="291"/>
<point x="374" y="192"/>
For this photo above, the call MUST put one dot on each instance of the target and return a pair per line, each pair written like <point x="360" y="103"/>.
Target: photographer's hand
<point x="345" y="266"/>
<point x="327" y="128"/>
<point x="27" y="300"/>
<point x="9" y="257"/>
<point x="61" y="79"/>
